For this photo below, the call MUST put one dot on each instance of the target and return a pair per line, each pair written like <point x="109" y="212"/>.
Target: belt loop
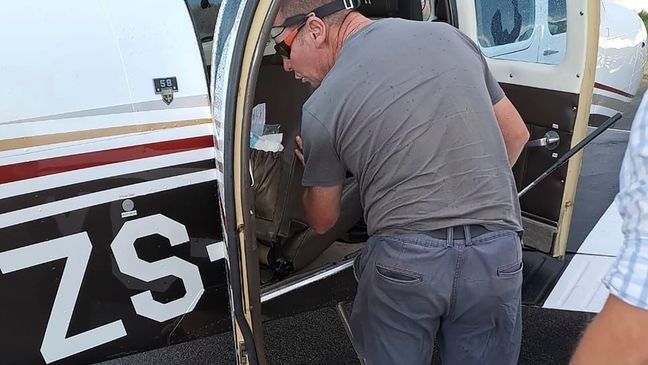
<point x="450" y="238"/>
<point x="467" y="237"/>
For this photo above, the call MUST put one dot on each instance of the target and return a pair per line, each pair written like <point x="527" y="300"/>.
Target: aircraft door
<point x="235" y="48"/>
<point x="543" y="53"/>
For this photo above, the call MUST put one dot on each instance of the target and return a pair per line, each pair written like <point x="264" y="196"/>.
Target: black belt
<point x="458" y="232"/>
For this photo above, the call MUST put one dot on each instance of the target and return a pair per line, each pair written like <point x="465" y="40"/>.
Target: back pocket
<point x="510" y="270"/>
<point x="398" y="276"/>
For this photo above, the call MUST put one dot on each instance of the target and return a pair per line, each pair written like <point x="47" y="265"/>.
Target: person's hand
<point x="299" y="150"/>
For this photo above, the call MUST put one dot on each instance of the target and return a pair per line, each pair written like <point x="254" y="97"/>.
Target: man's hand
<point x="616" y="336"/>
<point x="299" y="150"/>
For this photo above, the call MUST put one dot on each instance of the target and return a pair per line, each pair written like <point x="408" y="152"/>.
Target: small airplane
<point x="135" y="214"/>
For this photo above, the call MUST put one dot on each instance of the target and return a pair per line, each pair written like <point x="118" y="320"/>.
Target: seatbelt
<point x="277" y="263"/>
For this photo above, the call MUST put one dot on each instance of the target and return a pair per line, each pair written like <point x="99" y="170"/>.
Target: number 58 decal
<point x="76" y="250"/>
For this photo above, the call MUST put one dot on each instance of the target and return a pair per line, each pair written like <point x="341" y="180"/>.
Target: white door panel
<point x="547" y="70"/>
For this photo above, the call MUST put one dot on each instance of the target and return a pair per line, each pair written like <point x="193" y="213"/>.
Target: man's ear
<point x="317" y="31"/>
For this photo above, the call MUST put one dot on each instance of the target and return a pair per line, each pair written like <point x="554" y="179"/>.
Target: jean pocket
<point x="398" y="276"/>
<point x="510" y="270"/>
<point x="356" y="267"/>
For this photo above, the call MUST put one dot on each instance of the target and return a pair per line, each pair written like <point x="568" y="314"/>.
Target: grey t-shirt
<point x="408" y="110"/>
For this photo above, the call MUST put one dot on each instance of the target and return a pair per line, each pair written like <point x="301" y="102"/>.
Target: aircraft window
<point x="557" y="16"/>
<point x="522" y="30"/>
<point x="501" y="22"/>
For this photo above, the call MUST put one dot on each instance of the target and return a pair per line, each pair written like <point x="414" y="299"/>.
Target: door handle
<point x="569" y="154"/>
<point x="549" y="52"/>
<point x="551" y="140"/>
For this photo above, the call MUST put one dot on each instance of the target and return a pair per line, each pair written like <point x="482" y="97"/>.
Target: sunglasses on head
<point x="283" y="48"/>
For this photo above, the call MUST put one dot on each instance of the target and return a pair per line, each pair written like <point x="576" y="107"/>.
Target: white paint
<point x="621" y="57"/>
<point x="602" y="110"/>
<point x="102" y="172"/>
<point x="218" y="153"/>
<point x="76" y="250"/>
<point x="216" y="251"/>
<point x="606" y="238"/>
<point x="622" y="131"/>
<point x="100" y="121"/>
<point x="306" y="281"/>
<point x="221" y="59"/>
<point x="123" y="248"/>
<point x="93" y="54"/>
<point x="41" y="29"/>
<point x="220" y="79"/>
<point x="103" y="144"/>
<point x="166" y="41"/>
<point x="129" y="214"/>
<point x="580" y="287"/>
<point x="636" y="5"/>
<point x="612" y="95"/>
<point x="88" y="200"/>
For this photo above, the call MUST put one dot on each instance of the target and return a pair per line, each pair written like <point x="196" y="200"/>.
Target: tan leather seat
<point x="285" y="238"/>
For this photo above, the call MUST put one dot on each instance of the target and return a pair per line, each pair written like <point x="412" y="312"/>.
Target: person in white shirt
<point x="619" y="334"/>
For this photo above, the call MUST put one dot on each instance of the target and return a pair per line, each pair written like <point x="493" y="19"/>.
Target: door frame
<point x="235" y="46"/>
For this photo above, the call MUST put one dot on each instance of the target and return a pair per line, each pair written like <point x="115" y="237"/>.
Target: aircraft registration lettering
<point x="123" y="248"/>
<point x="76" y="249"/>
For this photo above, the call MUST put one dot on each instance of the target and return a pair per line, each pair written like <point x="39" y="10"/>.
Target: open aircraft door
<point x="237" y="45"/>
<point x="550" y="82"/>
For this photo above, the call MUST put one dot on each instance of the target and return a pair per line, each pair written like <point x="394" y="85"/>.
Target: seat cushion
<point x="304" y="247"/>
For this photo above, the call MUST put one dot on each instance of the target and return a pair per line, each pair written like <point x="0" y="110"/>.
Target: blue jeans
<point x="412" y="286"/>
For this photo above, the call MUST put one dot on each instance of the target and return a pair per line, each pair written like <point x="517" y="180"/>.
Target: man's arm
<point x="513" y="129"/>
<point x="322" y="207"/>
<point x="321" y="203"/>
<point x="618" y="335"/>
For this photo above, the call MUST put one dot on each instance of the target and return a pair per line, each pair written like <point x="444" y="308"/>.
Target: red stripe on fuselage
<point x="613" y="90"/>
<point x="31" y="169"/>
